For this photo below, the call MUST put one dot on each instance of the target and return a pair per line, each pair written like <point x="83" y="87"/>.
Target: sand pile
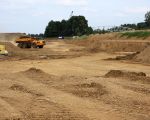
<point x="143" y="56"/>
<point x="34" y="70"/>
<point x="9" y="46"/>
<point x="39" y="75"/>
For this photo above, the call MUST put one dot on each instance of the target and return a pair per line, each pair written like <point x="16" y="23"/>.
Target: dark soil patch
<point x="119" y="73"/>
<point x="134" y="76"/>
<point x="125" y="57"/>
<point x="21" y="88"/>
<point x="34" y="70"/>
<point x="93" y="90"/>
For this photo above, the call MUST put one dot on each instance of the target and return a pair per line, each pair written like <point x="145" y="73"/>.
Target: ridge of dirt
<point x="134" y="76"/>
<point x="17" y="87"/>
<point x="124" y="57"/>
<point x="119" y="73"/>
<point x="141" y="57"/>
<point x="111" y="42"/>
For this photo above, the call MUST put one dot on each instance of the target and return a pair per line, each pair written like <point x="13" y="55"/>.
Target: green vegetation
<point x="75" y="26"/>
<point x="137" y="34"/>
<point x="147" y="18"/>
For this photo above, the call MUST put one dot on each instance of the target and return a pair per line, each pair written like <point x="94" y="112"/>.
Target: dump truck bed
<point x="25" y="39"/>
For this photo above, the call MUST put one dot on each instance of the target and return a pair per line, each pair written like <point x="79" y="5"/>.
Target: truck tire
<point x="41" y="46"/>
<point x="28" y="45"/>
<point x="24" y="45"/>
<point x="20" y="45"/>
<point x="34" y="46"/>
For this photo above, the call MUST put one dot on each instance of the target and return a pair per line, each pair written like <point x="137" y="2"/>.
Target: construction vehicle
<point x="3" y="50"/>
<point x="28" y="42"/>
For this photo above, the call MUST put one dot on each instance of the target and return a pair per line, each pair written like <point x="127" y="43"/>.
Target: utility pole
<point x="71" y="14"/>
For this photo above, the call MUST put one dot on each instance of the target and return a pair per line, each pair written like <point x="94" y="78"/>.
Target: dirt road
<point x="72" y="88"/>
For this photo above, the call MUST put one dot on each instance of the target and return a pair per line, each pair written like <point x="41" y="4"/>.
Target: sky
<point x="32" y="16"/>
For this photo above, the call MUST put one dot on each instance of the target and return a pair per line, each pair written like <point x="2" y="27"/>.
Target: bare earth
<point x="72" y="88"/>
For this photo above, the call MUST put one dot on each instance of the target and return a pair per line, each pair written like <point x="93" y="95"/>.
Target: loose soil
<point x="81" y="87"/>
<point x="143" y="56"/>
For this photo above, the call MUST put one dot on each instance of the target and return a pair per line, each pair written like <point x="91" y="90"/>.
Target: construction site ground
<point x="64" y="82"/>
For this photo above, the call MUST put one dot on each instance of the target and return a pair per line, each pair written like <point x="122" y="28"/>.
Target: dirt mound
<point x="40" y="75"/>
<point x="10" y="47"/>
<point x="34" y="70"/>
<point x="134" y="76"/>
<point x="143" y="56"/>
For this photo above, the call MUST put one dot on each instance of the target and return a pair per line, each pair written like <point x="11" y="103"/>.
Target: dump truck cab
<point x="38" y="42"/>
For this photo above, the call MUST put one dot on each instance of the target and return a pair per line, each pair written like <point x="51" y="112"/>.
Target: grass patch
<point x="137" y="34"/>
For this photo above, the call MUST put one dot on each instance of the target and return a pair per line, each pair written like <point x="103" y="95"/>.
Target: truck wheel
<point x="20" y="45"/>
<point x="24" y="45"/>
<point x="28" y="45"/>
<point x="34" y="46"/>
<point x="41" y="46"/>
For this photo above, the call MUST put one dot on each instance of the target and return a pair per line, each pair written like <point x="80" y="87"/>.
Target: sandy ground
<point x="72" y="88"/>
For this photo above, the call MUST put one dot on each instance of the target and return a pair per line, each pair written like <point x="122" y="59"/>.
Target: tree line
<point x="78" y="26"/>
<point x="141" y="25"/>
<point x="75" y="26"/>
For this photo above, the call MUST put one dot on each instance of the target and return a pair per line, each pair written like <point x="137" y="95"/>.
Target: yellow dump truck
<point x="3" y="50"/>
<point x="28" y="42"/>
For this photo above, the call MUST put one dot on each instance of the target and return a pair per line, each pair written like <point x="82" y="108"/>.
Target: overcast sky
<point x="32" y="16"/>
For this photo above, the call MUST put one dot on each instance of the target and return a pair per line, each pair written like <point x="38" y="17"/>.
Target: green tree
<point x="75" y="26"/>
<point x="147" y="18"/>
<point x="79" y="25"/>
<point x="66" y="30"/>
<point x="89" y="30"/>
<point x="53" y="29"/>
<point x="142" y="25"/>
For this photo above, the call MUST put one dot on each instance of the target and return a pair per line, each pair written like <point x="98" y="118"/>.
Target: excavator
<point x="28" y="42"/>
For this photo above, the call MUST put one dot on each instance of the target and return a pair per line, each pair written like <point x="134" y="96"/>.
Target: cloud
<point x="120" y="14"/>
<point x="89" y="10"/>
<point x="131" y="11"/>
<point x="20" y="4"/>
<point x="136" y="10"/>
<point x="72" y="2"/>
<point x="40" y="13"/>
